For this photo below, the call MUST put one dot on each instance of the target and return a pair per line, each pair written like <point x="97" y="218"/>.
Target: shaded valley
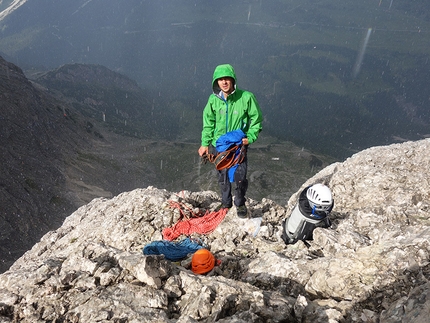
<point x="58" y="152"/>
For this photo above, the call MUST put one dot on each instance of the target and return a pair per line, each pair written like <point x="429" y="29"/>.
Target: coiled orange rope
<point x="196" y="224"/>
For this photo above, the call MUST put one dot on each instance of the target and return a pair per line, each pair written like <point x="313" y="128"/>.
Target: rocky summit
<point x="371" y="265"/>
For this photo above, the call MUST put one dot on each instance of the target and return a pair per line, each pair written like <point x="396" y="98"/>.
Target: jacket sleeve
<point x="255" y="119"/>
<point x="208" y="124"/>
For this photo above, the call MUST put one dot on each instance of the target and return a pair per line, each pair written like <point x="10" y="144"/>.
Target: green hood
<point x="225" y="70"/>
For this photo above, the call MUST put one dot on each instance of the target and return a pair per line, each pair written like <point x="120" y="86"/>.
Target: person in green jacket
<point x="228" y="109"/>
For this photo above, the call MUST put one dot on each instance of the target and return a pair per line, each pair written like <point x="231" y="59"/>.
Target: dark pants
<point x="241" y="184"/>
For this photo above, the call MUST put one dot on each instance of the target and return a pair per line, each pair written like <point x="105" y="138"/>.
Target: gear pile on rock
<point x="372" y="265"/>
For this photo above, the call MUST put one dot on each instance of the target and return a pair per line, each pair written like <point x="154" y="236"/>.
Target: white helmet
<point x="319" y="197"/>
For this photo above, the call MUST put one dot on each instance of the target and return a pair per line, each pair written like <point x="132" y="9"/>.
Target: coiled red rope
<point x="198" y="223"/>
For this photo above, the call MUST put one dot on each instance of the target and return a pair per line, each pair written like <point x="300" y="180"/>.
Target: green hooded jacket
<point x="239" y="111"/>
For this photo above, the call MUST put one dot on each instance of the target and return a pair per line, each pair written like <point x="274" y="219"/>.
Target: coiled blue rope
<point x="173" y="251"/>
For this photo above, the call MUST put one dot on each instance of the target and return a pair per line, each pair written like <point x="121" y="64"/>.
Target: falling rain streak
<point x="391" y="3"/>
<point x="360" y="56"/>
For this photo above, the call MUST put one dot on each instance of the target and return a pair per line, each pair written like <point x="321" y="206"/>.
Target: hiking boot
<point x="222" y="206"/>
<point x="241" y="211"/>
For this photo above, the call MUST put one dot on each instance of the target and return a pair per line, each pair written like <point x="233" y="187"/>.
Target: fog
<point x="333" y="76"/>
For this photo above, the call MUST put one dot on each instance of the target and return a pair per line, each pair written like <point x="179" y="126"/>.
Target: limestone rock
<point x="372" y="265"/>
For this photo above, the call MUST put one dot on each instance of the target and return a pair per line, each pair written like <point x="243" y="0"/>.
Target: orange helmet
<point x="203" y="261"/>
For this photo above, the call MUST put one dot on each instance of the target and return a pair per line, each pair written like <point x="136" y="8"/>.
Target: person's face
<point x="226" y="84"/>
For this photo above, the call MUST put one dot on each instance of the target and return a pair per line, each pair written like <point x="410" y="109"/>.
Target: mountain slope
<point x="107" y="96"/>
<point x="307" y="61"/>
<point x="37" y="134"/>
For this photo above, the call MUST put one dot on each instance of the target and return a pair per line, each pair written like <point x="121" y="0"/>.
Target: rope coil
<point x="226" y="159"/>
<point x="202" y="224"/>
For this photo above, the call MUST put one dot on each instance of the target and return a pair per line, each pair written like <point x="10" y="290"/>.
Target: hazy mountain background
<point x="301" y="58"/>
<point x="99" y="97"/>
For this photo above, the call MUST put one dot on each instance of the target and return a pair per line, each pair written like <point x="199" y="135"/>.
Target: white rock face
<point x="372" y="265"/>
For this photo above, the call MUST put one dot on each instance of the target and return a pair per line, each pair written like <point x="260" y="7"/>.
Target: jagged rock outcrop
<point x="371" y="266"/>
<point x="38" y="134"/>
